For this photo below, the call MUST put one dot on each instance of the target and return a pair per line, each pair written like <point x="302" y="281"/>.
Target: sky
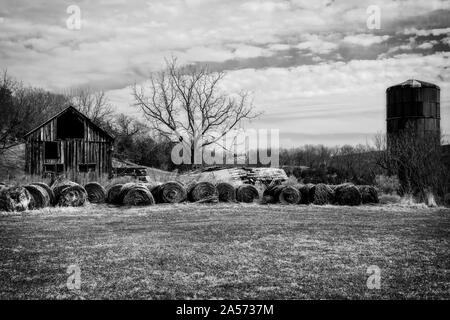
<point x="317" y="70"/>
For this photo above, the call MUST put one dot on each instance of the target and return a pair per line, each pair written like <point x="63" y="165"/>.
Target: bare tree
<point x="185" y="103"/>
<point x="128" y="126"/>
<point x="22" y="108"/>
<point x="416" y="160"/>
<point x="94" y="104"/>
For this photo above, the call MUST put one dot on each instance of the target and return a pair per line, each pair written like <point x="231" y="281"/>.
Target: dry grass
<point x="226" y="251"/>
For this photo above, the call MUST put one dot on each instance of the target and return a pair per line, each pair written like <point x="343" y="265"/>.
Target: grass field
<point x="229" y="251"/>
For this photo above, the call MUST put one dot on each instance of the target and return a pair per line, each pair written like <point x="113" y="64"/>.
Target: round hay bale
<point x="203" y="192"/>
<point x="303" y="189"/>
<point x="154" y="190"/>
<point x="72" y="196"/>
<point x="272" y="194"/>
<point x="227" y="193"/>
<point x="368" y="194"/>
<point x="57" y="188"/>
<point x="347" y="195"/>
<point x="321" y="194"/>
<point x="124" y="190"/>
<point x="282" y="194"/>
<point x="171" y="192"/>
<point x="189" y="188"/>
<point x="289" y="195"/>
<point x="39" y="197"/>
<point x="138" y="195"/>
<point x="95" y="192"/>
<point x="247" y="193"/>
<point x="48" y="189"/>
<point x="113" y="194"/>
<point x="15" y="199"/>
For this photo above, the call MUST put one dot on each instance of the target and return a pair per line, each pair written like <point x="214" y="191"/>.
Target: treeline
<point x="332" y="165"/>
<point x="22" y="108"/>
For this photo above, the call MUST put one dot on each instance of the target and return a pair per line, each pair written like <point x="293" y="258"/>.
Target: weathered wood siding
<point x="94" y="148"/>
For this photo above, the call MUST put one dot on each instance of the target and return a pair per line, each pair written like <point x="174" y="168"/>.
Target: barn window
<point x="70" y="126"/>
<point x="51" y="150"/>
<point x="86" y="167"/>
<point x="57" y="168"/>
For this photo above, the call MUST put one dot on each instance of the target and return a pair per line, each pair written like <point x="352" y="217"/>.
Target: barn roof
<point x="71" y="108"/>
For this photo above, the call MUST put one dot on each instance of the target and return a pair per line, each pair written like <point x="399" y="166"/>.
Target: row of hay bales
<point x="138" y="194"/>
<point x="67" y="193"/>
<point x="207" y="192"/>
<point x="321" y="194"/>
<point x="38" y="195"/>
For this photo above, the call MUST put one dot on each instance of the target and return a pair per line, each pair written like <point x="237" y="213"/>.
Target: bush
<point x="368" y="194"/>
<point x="321" y="194"/>
<point x="347" y="195"/>
<point x="447" y="199"/>
<point x="387" y="184"/>
<point x="389" y="199"/>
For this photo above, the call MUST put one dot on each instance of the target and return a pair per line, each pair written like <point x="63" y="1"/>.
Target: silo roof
<point x="414" y="83"/>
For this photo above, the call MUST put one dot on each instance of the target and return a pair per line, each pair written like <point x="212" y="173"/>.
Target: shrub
<point x="447" y="199"/>
<point x="347" y="194"/>
<point x="389" y="199"/>
<point x="368" y="194"/>
<point x="387" y="184"/>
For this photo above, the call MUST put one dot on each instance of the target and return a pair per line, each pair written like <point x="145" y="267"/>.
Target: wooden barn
<point x="69" y="142"/>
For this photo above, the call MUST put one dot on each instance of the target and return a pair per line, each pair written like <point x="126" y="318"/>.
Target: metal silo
<point x="415" y="105"/>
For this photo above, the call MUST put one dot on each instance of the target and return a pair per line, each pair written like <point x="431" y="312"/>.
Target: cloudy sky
<point x="315" y="68"/>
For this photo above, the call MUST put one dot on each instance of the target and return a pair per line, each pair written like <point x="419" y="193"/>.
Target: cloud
<point x="315" y="44"/>
<point x="296" y="55"/>
<point x="344" y="100"/>
<point x="432" y="32"/>
<point x="365" y="39"/>
<point x="427" y="45"/>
